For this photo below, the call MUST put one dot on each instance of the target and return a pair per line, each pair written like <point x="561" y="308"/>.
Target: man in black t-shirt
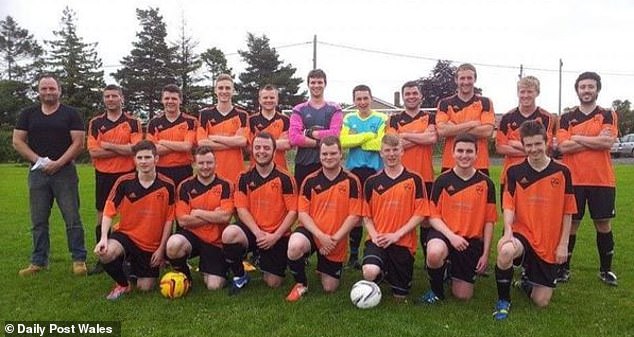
<point x="50" y="136"/>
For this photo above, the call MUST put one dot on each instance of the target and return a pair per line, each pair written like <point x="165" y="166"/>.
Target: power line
<point x="490" y="65"/>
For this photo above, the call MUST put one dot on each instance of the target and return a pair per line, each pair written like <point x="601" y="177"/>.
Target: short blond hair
<point x="224" y="77"/>
<point x="528" y="82"/>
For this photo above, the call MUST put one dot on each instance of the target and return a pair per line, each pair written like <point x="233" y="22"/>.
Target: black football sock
<point x="436" y="276"/>
<point x="234" y="252"/>
<point x="503" y="278"/>
<point x="180" y="265"/>
<point x="115" y="270"/>
<point x="298" y="269"/>
<point x="605" y="245"/>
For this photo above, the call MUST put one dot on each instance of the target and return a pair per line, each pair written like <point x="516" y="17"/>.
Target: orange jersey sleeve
<point x="453" y="109"/>
<point x="509" y="130"/>
<point x="192" y="194"/>
<point x="540" y="200"/>
<point x="329" y="202"/>
<point x="418" y="158"/>
<point x="126" y="130"/>
<point x="464" y="206"/>
<point x="577" y="123"/>
<point x="143" y="211"/>
<point x="182" y="129"/>
<point x="391" y="203"/>
<point x="229" y="162"/>
<point x="268" y="199"/>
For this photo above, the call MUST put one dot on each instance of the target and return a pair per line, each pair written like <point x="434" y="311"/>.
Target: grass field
<point x="583" y="307"/>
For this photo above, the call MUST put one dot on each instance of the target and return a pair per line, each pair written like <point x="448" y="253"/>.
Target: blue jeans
<point x="63" y="187"/>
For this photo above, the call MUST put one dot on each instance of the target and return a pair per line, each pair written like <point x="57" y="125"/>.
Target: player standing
<point x="585" y="137"/>
<point x="361" y="133"/>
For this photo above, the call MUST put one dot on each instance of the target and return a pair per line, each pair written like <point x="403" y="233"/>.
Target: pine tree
<point x="21" y="54"/>
<point x="187" y="66"/>
<point x="149" y="67"/>
<point x="216" y="63"/>
<point x="265" y="67"/>
<point x="77" y="66"/>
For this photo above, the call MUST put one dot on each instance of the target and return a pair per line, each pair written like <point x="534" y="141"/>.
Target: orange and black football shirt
<point x="589" y="167"/>
<point x="329" y="202"/>
<point x="268" y="199"/>
<point x="143" y="212"/>
<point x="276" y="126"/>
<point x="125" y="130"/>
<point x="509" y="129"/>
<point x="453" y="109"/>
<point x="465" y="206"/>
<point x="192" y="194"/>
<point x="540" y="200"/>
<point x="229" y="162"/>
<point x="418" y="158"/>
<point x="390" y="203"/>
<point x="183" y="129"/>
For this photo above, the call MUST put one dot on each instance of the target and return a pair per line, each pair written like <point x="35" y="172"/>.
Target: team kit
<point x="182" y="189"/>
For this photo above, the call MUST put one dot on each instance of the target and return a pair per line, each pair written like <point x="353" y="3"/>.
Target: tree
<point x="216" y="63"/>
<point x="14" y="96"/>
<point x="77" y="65"/>
<point x="439" y="84"/>
<point x="625" y="115"/>
<point x="149" y="67"/>
<point x="21" y="54"/>
<point x="265" y="67"/>
<point x="187" y="66"/>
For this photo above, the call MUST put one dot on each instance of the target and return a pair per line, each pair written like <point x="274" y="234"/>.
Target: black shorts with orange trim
<point x="103" y="185"/>
<point x="273" y="260"/>
<point x="396" y="263"/>
<point x="138" y="258"/>
<point x="176" y="173"/>
<point x="211" y="261"/>
<point x="464" y="263"/>
<point x="600" y="200"/>
<point x="537" y="271"/>
<point x="324" y="265"/>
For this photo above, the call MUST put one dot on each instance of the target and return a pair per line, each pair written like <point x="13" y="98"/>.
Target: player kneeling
<point x="266" y="202"/>
<point x="462" y="206"/>
<point x="329" y="206"/>
<point x="203" y="209"/>
<point x="145" y="203"/>
<point x="394" y="204"/>
<point x="538" y="206"/>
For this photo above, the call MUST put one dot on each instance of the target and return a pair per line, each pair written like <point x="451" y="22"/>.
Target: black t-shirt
<point x="49" y="135"/>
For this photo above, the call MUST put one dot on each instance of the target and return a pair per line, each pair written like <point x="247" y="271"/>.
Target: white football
<point x="365" y="294"/>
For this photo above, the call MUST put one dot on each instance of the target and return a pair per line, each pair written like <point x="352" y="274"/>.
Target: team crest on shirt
<point x="275" y="185"/>
<point x="160" y="196"/>
<point x="408" y="186"/>
<point x="479" y="189"/>
<point x="555" y="182"/>
<point x="342" y="189"/>
<point x="182" y="127"/>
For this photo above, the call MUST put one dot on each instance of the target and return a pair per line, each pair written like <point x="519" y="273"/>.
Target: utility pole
<point x="521" y="71"/>
<point x="315" y="51"/>
<point x="561" y="65"/>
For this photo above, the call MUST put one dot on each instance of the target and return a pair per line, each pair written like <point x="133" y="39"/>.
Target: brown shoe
<point x="79" y="268"/>
<point x="32" y="269"/>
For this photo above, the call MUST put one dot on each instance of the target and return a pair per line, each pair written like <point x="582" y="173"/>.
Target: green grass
<point x="583" y="307"/>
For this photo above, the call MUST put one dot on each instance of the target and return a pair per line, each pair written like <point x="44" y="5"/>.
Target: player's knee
<point x="212" y="284"/>
<point x="143" y="285"/>
<point x="174" y="249"/>
<point x="273" y="281"/>
<point x="371" y="272"/>
<point x="230" y="234"/>
<point x="541" y="300"/>
<point x="295" y="250"/>
<point x="505" y="254"/>
<point x="463" y="295"/>
<point x="435" y="258"/>
<point x="330" y="287"/>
